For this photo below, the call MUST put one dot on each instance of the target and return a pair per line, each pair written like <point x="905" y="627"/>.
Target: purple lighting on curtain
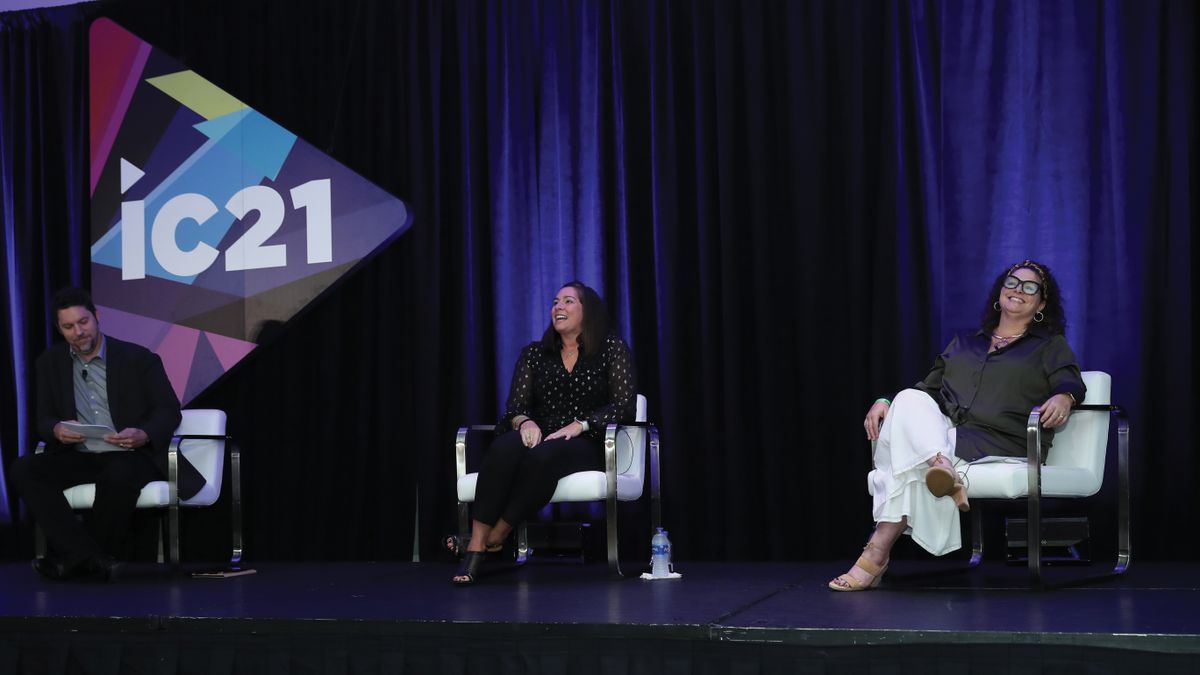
<point x="549" y="83"/>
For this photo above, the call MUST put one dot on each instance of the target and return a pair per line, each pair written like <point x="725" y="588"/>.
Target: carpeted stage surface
<point x="553" y="616"/>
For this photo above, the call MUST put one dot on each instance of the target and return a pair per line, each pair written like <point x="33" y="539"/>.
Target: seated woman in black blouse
<point x="565" y="389"/>
<point x="973" y="405"/>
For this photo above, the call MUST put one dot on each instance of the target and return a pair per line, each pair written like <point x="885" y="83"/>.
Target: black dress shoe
<point x="51" y="569"/>
<point x="100" y="569"/>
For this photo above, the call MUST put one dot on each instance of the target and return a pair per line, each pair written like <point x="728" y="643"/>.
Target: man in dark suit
<point x="95" y="379"/>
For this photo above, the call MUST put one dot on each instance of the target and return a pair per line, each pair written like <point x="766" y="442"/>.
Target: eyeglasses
<point x="1027" y="287"/>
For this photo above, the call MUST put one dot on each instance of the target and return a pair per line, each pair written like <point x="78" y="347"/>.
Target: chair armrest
<point x="460" y="446"/>
<point x="1033" y="438"/>
<point x="1033" y="426"/>
<point x="1033" y="429"/>
<point x="610" y="447"/>
<point x="173" y="451"/>
<point x="610" y="459"/>
<point x="211" y="437"/>
<point x="1116" y="410"/>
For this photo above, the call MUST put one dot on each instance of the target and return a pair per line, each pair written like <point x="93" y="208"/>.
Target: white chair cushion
<point x="208" y="456"/>
<point x="581" y="486"/>
<point x="589" y="486"/>
<point x="1009" y="480"/>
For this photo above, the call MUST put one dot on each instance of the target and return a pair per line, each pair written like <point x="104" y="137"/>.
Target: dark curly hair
<point x="595" y="326"/>
<point x="1055" y="317"/>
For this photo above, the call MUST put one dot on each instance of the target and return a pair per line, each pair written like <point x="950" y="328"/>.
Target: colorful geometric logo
<point x="210" y="221"/>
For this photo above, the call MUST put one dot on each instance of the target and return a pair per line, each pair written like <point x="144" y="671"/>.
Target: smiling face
<point x="566" y="314"/>
<point x="80" y="328"/>
<point x="1015" y="304"/>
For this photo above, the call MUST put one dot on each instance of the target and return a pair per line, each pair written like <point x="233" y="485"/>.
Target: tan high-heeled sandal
<point x="846" y="582"/>
<point x="943" y="482"/>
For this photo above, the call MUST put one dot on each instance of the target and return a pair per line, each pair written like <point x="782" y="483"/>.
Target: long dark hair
<point x="1055" y="317"/>
<point x="595" y="323"/>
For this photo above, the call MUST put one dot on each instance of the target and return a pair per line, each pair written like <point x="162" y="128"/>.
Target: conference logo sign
<point x="210" y="221"/>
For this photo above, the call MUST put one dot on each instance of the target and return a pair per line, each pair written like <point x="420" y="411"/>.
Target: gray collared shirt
<point x="90" y="381"/>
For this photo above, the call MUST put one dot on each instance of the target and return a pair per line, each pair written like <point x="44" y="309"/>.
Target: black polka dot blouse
<point x="602" y="388"/>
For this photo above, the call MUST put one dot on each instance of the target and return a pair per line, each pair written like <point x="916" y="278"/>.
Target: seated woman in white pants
<point x="972" y="405"/>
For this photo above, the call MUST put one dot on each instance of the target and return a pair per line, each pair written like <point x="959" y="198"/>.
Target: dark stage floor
<point x="918" y="600"/>
<point x="1151" y="610"/>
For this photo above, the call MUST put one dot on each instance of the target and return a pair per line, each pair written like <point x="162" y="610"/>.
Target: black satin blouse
<point x="988" y="396"/>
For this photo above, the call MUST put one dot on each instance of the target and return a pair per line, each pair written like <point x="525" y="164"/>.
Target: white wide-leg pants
<point x="914" y="432"/>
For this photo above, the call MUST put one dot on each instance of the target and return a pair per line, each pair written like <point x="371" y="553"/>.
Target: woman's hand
<point x="1056" y="411"/>
<point x="874" y="419"/>
<point x="568" y="432"/>
<point x="531" y="433"/>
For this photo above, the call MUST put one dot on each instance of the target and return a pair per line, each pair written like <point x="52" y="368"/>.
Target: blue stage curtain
<point x="43" y="201"/>
<point x="790" y="207"/>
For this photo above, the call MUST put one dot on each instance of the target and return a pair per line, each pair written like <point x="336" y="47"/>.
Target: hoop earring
<point x="1039" y="317"/>
<point x="996" y="305"/>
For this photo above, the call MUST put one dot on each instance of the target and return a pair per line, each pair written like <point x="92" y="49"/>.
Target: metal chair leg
<point x="160" y="555"/>
<point x="464" y="519"/>
<point x="39" y="543"/>
<point x="655" y="483"/>
<point x="1033" y="540"/>
<point x="173" y="502"/>
<point x="976" y="535"/>
<point x="235" y="506"/>
<point x="523" y="549"/>
<point x="614" y="557"/>
<point x="1124" y="550"/>
<point x="610" y="501"/>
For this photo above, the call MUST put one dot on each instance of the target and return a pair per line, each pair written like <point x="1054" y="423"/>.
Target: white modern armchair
<point x="1074" y="468"/>
<point x="623" y="479"/>
<point x="201" y="438"/>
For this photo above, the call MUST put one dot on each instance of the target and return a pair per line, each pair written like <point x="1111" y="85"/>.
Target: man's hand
<point x="65" y="435"/>
<point x="128" y="438"/>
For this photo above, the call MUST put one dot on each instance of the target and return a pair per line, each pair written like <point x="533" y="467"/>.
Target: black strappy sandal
<point x="457" y="545"/>
<point x="469" y="568"/>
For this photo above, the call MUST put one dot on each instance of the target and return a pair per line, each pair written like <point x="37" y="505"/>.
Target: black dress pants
<point x="515" y="482"/>
<point x="119" y="477"/>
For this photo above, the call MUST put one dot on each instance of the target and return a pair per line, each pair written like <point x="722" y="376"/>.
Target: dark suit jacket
<point x="139" y="395"/>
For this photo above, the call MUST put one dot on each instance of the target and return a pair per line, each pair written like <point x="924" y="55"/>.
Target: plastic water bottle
<point x="660" y="555"/>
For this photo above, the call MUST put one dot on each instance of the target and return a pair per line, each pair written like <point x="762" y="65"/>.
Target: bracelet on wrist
<point x="883" y="400"/>
<point x="582" y="424"/>
<point x="527" y="419"/>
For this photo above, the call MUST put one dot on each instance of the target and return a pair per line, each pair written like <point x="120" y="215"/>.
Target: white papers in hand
<point x="95" y="433"/>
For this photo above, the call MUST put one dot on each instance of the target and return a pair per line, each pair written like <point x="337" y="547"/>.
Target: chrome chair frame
<point x="235" y="495"/>
<point x="610" y="499"/>
<point x="171" y="517"/>
<point x="1033" y="434"/>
